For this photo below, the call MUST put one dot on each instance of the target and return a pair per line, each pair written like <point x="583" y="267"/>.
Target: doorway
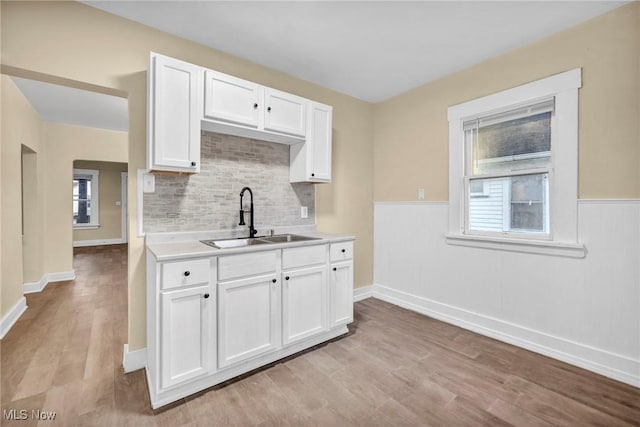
<point x="31" y="217"/>
<point x="99" y="205"/>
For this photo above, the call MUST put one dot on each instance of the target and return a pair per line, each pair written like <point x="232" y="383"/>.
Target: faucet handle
<point x="271" y="232"/>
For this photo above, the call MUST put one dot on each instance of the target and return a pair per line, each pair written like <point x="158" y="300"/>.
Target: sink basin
<point x="284" y="238"/>
<point x="233" y="243"/>
<point x="241" y="243"/>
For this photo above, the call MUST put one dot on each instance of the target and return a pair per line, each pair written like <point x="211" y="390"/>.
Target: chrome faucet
<point x="252" y="230"/>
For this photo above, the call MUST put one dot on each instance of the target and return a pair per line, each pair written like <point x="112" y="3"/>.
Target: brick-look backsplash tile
<point x="210" y="200"/>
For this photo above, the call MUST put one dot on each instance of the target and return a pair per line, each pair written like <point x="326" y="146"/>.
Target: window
<point x="85" y="201"/>
<point x="508" y="162"/>
<point x="513" y="160"/>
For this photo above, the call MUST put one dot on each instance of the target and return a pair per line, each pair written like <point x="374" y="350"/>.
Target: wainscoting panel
<point x="584" y="311"/>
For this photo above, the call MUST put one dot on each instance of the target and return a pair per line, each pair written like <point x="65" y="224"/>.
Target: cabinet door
<point x="187" y="334"/>
<point x="249" y="319"/>
<point x="174" y="132"/>
<point x="341" y="293"/>
<point x="310" y="161"/>
<point x="230" y="99"/>
<point x="319" y="140"/>
<point x="304" y="303"/>
<point x="285" y="113"/>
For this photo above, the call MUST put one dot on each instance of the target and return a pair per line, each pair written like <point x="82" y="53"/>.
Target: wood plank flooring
<point x="395" y="368"/>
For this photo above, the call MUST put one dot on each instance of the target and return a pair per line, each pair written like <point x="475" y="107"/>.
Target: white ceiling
<point x="371" y="50"/>
<point x="61" y="104"/>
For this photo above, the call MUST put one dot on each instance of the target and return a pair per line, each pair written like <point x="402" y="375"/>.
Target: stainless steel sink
<point x="240" y="243"/>
<point x="284" y="238"/>
<point x="233" y="243"/>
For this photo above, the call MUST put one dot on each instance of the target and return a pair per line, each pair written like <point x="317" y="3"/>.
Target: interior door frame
<point x="124" y="206"/>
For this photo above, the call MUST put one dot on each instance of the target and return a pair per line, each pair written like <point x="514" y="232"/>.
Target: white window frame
<point x="563" y="203"/>
<point x="95" y="198"/>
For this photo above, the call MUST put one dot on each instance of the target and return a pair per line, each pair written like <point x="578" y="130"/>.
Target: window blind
<point x="539" y="107"/>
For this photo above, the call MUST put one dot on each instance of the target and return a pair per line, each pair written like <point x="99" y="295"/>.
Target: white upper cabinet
<point x="285" y="113"/>
<point x="173" y="129"/>
<point x="232" y="100"/>
<point x="184" y="98"/>
<point x="242" y="108"/>
<point x="311" y="161"/>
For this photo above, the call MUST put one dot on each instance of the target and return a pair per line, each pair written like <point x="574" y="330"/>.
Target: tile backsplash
<point x="210" y="200"/>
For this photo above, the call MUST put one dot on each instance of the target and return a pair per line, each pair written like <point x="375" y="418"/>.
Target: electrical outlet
<point x="304" y="212"/>
<point x="148" y="183"/>
<point x="420" y="193"/>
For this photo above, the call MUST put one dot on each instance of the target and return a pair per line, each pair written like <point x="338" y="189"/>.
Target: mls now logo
<point x="14" y="414"/>
<point x="23" y="414"/>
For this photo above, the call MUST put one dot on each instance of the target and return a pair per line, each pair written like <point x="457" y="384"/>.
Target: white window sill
<point x="86" y="227"/>
<point x="518" y="245"/>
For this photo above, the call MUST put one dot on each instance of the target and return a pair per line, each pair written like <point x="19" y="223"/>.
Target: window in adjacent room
<point x="85" y="199"/>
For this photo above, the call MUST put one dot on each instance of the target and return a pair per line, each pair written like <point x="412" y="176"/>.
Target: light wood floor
<point x="395" y="368"/>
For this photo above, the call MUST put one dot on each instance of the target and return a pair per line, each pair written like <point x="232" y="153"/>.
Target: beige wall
<point x="65" y="144"/>
<point x="75" y="42"/>
<point x="21" y="126"/>
<point x="411" y="130"/>
<point x="110" y="192"/>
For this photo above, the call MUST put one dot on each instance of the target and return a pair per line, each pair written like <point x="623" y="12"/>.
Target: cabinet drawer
<point x="253" y="264"/>
<point x="185" y="273"/>
<point x="341" y="251"/>
<point x="304" y="256"/>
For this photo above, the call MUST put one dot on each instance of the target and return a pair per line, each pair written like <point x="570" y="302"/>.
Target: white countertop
<point x="191" y="248"/>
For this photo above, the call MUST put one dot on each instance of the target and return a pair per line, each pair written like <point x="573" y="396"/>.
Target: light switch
<point x="304" y="212"/>
<point x="118" y="203"/>
<point x="420" y="193"/>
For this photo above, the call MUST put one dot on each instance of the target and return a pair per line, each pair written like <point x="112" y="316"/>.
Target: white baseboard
<point x="133" y="360"/>
<point x="83" y="243"/>
<point x="616" y="366"/>
<point x="361" y="293"/>
<point x="31" y="287"/>
<point x="9" y="319"/>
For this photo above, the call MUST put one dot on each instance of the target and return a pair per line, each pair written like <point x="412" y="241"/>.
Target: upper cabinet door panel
<point x="230" y="99"/>
<point x="285" y="113"/>
<point x="320" y="138"/>
<point x="175" y="129"/>
<point x="311" y="161"/>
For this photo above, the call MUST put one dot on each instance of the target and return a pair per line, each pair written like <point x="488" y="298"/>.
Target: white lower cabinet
<point x="249" y="318"/>
<point x="304" y="303"/>
<point x="187" y="323"/>
<point x="341" y="291"/>
<point x="210" y="319"/>
<point x="341" y="283"/>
